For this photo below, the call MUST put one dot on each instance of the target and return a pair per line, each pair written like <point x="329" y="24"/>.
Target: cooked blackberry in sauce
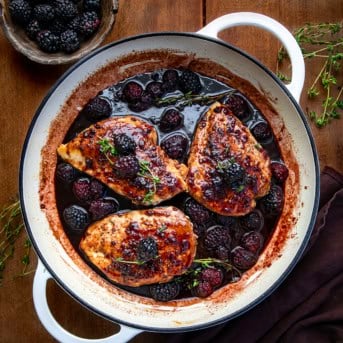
<point x="227" y="246"/>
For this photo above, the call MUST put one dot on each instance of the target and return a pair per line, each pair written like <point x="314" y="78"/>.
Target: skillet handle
<point x="254" y="19"/>
<point x="54" y="328"/>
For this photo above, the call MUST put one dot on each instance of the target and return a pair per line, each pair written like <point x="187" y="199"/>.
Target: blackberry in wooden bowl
<point x="58" y="31"/>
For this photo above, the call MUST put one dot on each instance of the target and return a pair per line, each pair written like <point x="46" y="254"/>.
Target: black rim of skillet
<point x="268" y="291"/>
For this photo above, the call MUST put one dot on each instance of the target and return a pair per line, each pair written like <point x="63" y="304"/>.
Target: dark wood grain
<point x="24" y="85"/>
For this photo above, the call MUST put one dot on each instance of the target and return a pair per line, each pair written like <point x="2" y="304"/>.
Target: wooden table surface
<point x="23" y="84"/>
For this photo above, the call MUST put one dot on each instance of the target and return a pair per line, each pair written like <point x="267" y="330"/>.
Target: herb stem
<point x="319" y="74"/>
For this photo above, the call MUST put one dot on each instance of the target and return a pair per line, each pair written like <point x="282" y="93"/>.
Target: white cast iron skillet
<point x="135" y="316"/>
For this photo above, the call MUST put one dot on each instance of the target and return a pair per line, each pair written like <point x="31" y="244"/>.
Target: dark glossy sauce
<point x="191" y="114"/>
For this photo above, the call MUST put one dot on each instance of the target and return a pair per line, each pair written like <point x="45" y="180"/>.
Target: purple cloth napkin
<point x="308" y="306"/>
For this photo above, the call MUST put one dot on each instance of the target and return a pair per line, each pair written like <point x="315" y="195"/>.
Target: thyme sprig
<point x="145" y="171"/>
<point x="11" y="226"/>
<point x="210" y="261"/>
<point x="107" y="148"/>
<point x="321" y="41"/>
<point x="188" y="99"/>
<point x="136" y="262"/>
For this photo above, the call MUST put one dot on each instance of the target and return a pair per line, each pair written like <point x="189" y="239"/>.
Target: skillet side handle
<point x="259" y="20"/>
<point x="54" y="328"/>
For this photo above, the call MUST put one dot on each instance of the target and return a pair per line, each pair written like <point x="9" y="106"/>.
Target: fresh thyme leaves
<point x="11" y="226"/>
<point x="145" y="171"/>
<point x="107" y="148"/>
<point x="324" y="42"/>
<point x="189" y="99"/>
<point x="209" y="262"/>
<point x="162" y="228"/>
<point x="137" y="262"/>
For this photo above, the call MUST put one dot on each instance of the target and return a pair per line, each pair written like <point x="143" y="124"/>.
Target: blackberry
<point x="89" y="23"/>
<point x="175" y="146"/>
<point x="132" y="92"/>
<point x="190" y="82"/>
<point x="48" y="41"/>
<point x="170" y="120"/>
<point x="124" y="144"/>
<point x="126" y="167"/>
<point x="170" y="80"/>
<point x="236" y="233"/>
<point x="262" y="131"/>
<point x="32" y="29"/>
<point x="155" y="89"/>
<point x="65" y="10"/>
<point x="213" y="275"/>
<point x="252" y="241"/>
<point x="254" y="221"/>
<point x="147" y="249"/>
<point x="100" y="208"/>
<point x="164" y="291"/>
<point x="203" y="289"/>
<point x="216" y="236"/>
<point x="97" y="109"/>
<point x="143" y="104"/>
<point x="238" y="106"/>
<point x="58" y="26"/>
<point x="20" y="11"/>
<point x="76" y="217"/>
<point x="272" y="203"/>
<point x="74" y="24"/>
<point x="92" y="5"/>
<point x="86" y="190"/>
<point x="279" y="172"/>
<point x="44" y="13"/>
<point x="69" y="41"/>
<point x="65" y="172"/>
<point x="197" y="212"/>
<point x="226" y="221"/>
<point x="242" y="258"/>
<point x="232" y="172"/>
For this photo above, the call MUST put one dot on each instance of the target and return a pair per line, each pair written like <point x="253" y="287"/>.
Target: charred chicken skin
<point x="141" y="247"/>
<point x="122" y="152"/>
<point x="228" y="169"/>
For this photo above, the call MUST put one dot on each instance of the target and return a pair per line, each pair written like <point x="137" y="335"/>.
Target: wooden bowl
<point x="22" y="43"/>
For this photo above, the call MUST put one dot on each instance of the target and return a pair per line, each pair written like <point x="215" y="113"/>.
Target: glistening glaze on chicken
<point x="112" y="245"/>
<point x="222" y="141"/>
<point x="164" y="179"/>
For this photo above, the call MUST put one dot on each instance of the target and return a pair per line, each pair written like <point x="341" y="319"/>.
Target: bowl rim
<point x="266" y="292"/>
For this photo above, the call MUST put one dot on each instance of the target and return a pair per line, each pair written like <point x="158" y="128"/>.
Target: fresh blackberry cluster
<point x="190" y="82"/>
<point x="238" y="106"/>
<point x="176" y="146"/>
<point x="100" y="208"/>
<point x="170" y="120"/>
<point x="97" y="109"/>
<point x="197" y="212"/>
<point x="233" y="174"/>
<point x="76" y="217"/>
<point x="124" y="144"/>
<point x="147" y="249"/>
<point x="86" y="189"/>
<point x="57" y="25"/>
<point x="126" y="167"/>
<point x="165" y="291"/>
<point x="272" y="204"/>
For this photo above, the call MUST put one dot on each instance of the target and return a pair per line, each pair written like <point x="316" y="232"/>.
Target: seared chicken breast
<point x="141" y="247"/>
<point x="228" y="169"/>
<point x="122" y="152"/>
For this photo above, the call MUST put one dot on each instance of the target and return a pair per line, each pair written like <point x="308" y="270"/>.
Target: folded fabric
<point x="308" y="306"/>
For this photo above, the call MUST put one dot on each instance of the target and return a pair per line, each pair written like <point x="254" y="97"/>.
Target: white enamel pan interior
<point x="135" y="316"/>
